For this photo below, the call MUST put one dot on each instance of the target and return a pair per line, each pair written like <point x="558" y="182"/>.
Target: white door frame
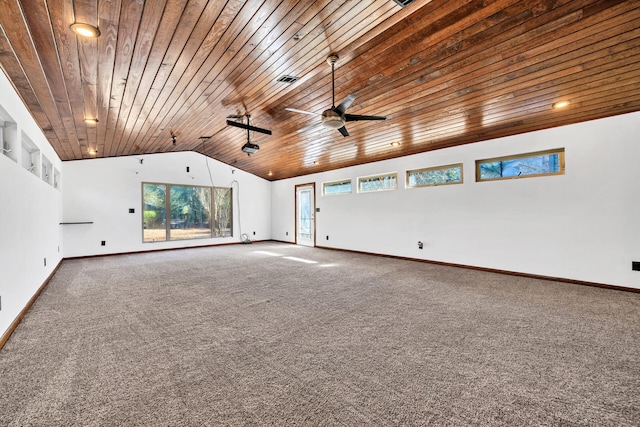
<point x="312" y="241"/>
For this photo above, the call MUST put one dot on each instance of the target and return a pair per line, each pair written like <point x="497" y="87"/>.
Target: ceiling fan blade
<point x="235" y="116"/>
<point x="356" y="117"/>
<point x="310" y="127"/>
<point x="244" y="126"/>
<point x="295" y="110"/>
<point x="346" y="103"/>
<point x="343" y="131"/>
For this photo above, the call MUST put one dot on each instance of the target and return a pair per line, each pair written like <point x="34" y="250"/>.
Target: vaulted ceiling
<point x="443" y="73"/>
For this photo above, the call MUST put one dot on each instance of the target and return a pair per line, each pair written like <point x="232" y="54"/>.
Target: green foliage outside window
<point x="189" y="211"/>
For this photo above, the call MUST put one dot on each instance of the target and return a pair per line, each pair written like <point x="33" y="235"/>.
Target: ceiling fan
<point x="336" y="117"/>
<point x="249" y="147"/>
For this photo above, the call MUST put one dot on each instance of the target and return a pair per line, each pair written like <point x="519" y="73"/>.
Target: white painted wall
<point x="582" y="225"/>
<point x="30" y="213"/>
<point x="103" y="190"/>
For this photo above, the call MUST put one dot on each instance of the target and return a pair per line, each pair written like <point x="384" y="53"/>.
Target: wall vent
<point x="287" y="79"/>
<point x="403" y="3"/>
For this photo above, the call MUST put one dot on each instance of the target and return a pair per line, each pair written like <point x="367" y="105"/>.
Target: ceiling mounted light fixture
<point x="560" y="104"/>
<point x="395" y="144"/>
<point x="85" y="30"/>
<point x="90" y="121"/>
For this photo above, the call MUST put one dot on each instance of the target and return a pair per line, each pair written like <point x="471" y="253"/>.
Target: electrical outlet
<point x="187" y="168"/>
<point x="286" y="233"/>
<point x="420" y="245"/>
<point x="45" y="262"/>
<point x="635" y="265"/>
<point x="254" y="233"/>
<point x="327" y="237"/>
<point x="132" y="210"/>
<point x="103" y="243"/>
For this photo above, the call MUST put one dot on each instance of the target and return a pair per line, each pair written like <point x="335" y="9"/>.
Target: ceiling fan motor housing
<point x="332" y="119"/>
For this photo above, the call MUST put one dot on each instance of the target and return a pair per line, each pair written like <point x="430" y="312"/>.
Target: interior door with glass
<point x="305" y="215"/>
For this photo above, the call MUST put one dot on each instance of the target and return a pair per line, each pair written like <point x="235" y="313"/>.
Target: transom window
<point x="550" y="162"/>
<point x="336" y="187"/>
<point x="179" y="212"/>
<point x="388" y="181"/>
<point x="438" y="175"/>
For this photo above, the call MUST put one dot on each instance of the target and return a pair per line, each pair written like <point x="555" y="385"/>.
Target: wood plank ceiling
<point x="443" y="72"/>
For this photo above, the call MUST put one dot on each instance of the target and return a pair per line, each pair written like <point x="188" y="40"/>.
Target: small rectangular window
<point x="336" y="187"/>
<point x="438" y="175"/>
<point x="388" y="181"/>
<point x="550" y="162"/>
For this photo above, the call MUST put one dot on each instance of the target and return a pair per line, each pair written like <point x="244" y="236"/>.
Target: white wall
<point x="30" y="213"/>
<point x="103" y="190"/>
<point x="582" y="225"/>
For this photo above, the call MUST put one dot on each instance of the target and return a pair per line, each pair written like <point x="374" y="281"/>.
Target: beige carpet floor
<point x="276" y="334"/>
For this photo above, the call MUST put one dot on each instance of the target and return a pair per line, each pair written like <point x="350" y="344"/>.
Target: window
<point x="179" y="212"/>
<point x="336" y="187"/>
<point x="540" y="163"/>
<point x="382" y="182"/>
<point x="439" y="175"/>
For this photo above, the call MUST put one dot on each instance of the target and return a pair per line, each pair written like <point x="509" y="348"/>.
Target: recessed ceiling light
<point x="90" y="121"/>
<point x="92" y="152"/>
<point x="560" y="104"/>
<point x="316" y="163"/>
<point x="395" y="144"/>
<point x="270" y="173"/>
<point x="85" y="30"/>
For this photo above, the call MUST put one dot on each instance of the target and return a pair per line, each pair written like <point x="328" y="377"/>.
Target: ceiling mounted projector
<point x="250" y="148"/>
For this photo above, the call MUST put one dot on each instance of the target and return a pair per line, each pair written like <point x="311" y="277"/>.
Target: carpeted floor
<point x="277" y="334"/>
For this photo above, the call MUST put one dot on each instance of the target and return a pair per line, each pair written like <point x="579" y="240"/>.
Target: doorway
<point x="305" y="215"/>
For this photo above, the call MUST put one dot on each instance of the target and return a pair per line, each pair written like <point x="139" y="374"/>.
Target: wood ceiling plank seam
<point x="40" y="25"/>
<point x="205" y="58"/>
<point x="272" y="79"/>
<point x="237" y="46"/>
<point x="128" y="29"/>
<point x="453" y="100"/>
<point x="167" y="30"/>
<point x="221" y="114"/>
<point x="566" y="30"/>
<point x="224" y="72"/>
<point x="317" y="76"/>
<point x="460" y="51"/>
<point x="185" y="68"/>
<point x="195" y="11"/>
<point x="228" y="69"/>
<point x="13" y="70"/>
<point x="150" y="21"/>
<point x="78" y="68"/>
<point x="303" y="60"/>
<point x="389" y="23"/>
<point x="427" y="55"/>
<point x="340" y="82"/>
<point x="109" y="19"/>
<point x="17" y="34"/>
<point x="483" y="71"/>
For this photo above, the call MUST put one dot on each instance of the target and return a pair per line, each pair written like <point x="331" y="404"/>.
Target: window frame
<point x="167" y="207"/>
<point x="340" y="181"/>
<point x="561" y="164"/>
<point x="381" y="175"/>
<point x="435" y="168"/>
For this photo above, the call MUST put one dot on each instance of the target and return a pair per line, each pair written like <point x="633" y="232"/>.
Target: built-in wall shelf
<point x="79" y="222"/>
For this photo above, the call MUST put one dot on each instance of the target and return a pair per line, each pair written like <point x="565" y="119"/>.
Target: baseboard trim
<point x="12" y="327"/>
<point x="494" y="270"/>
<point x="164" y="249"/>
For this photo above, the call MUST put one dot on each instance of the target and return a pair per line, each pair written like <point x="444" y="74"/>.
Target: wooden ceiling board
<point x="443" y="72"/>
